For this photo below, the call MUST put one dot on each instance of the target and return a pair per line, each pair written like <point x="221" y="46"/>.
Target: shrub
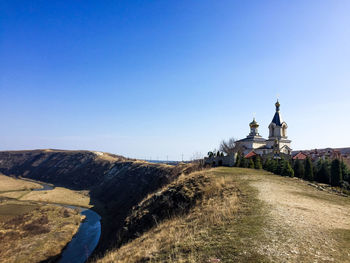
<point x="287" y="169"/>
<point x="251" y="163"/>
<point x="299" y="169"/>
<point x="238" y="160"/>
<point x="274" y="166"/>
<point x="336" y="172"/>
<point x="244" y="163"/>
<point x="323" y="174"/>
<point x="309" y="174"/>
<point x="257" y="163"/>
<point x="280" y="164"/>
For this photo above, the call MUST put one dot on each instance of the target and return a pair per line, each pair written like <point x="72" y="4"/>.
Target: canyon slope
<point x="115" y="184"/>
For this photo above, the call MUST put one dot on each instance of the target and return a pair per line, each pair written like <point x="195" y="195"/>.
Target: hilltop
<point x="236" y="215"/>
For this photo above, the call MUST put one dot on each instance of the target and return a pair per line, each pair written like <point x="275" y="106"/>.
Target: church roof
<point x="264" y="147"/>
<point x="277" y="118"/>
<point x="251" y="138"/>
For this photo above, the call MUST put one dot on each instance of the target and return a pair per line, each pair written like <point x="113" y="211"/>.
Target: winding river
<point x="85" y="240"/>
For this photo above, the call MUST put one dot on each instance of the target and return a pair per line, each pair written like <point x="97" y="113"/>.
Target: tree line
<point x="333" y="172"/>
<point x="255" y="162"/>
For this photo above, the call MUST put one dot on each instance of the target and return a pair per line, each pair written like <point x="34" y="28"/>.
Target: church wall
<point x="228" y="160"/>
<point x="258" y="144"/>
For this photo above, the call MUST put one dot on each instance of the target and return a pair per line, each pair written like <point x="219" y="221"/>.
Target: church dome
<point x="254" y="123"/>
<point x="277" y="104"/>
<point x="277" y="118"/>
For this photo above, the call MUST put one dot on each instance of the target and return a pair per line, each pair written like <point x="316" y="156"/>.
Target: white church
<point x="276" y="143"/>
<point x="254" y="144"/>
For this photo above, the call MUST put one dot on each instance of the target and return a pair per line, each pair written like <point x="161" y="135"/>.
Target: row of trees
<point x="279" y="166"/>
<point x="333" y="172"/>
<point x="215" y="154"/>
<point x="254" y="162"/>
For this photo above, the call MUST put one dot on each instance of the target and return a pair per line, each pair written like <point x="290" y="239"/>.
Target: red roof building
<point x="250" y="155"/>
<point x="300" y="156"/>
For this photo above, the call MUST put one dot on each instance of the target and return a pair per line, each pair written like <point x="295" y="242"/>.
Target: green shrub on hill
<point x="309" y="173"/>
<point x="299" y="169"/>
<point x="336" y="172"/>
<point x="257" y="162"/>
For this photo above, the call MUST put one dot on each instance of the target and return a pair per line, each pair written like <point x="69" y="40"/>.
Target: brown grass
<point x="15" y="194"/>
<point x="219" y="229"/>
<point x="12" y="184"/>
<point x="60" y="195"/>
<point x="31" y="233"/>
<point x="246" y="215"/>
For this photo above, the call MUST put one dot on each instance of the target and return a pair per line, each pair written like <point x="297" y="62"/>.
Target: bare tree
<point x="230" y="146"/>
<point x="196" y="156"/>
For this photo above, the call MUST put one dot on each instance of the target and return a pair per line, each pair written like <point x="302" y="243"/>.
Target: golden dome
<point x="254" y="123"/>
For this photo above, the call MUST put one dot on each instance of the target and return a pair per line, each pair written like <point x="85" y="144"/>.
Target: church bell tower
<point x="278" y="132"/>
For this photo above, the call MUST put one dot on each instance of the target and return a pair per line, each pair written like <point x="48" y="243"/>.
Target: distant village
<point x="323" y="154"/>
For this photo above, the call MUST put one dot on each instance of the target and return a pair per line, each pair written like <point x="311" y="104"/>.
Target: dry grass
<point x="60" y="195"/>
<point x="247" y="216"/>
<point x="21" y="190"/>
<point x="31" y="233"/>
<point x="15" y="194"/>
<point x="218" y="229"/>
<point x="12" y="184"/>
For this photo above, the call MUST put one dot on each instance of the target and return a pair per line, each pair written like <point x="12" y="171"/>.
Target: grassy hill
<point x="236" y="215"/>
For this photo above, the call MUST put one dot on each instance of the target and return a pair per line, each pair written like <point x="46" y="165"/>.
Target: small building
<point x="300" y="156"/>
<point x="250" y="155"/>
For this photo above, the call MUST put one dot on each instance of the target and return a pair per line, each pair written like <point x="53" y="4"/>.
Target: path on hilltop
<point x="303" y="224"/>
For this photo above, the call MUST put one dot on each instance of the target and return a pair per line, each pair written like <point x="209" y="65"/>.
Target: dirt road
<point x="303" y="224"/>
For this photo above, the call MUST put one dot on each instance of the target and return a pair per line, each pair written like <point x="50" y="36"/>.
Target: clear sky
<point x="165" y="78"/>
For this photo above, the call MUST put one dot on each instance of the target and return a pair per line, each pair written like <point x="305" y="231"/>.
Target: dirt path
<point x="303" y="224"/>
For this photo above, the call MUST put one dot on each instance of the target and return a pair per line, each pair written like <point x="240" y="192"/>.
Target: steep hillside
<point x="236" y="215"/>
<point x="76" y="169"/>
<point x="115" y="183"/>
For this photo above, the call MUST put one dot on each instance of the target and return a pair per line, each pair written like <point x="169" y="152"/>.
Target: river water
<point x="85" y="240"/>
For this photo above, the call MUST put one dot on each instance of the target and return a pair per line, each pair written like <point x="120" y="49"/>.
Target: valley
<point x="162" y="213"/>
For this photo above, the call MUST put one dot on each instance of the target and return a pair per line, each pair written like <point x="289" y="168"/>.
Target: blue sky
<point x="165" y="78"/>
